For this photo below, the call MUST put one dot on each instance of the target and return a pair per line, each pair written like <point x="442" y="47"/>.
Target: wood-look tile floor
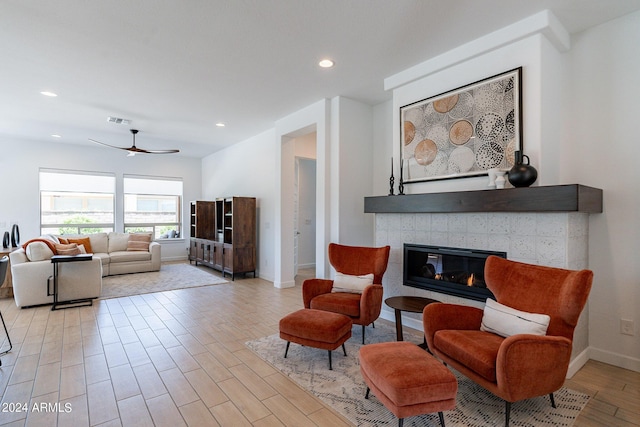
<point x="178" y="359"/>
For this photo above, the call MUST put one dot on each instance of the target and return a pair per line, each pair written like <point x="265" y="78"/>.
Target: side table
<point x="411" y="305"/>
<point x="56" y="260"/>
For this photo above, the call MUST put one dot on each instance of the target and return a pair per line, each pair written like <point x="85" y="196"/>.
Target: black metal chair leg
<point x="8" y="337"/>
<point x="344" y="350"/>
<point x="400" y="422"/>
<point x="330" y="367"/>
<point x="362" y="334"/>
<point x="507" y="413"/>
<point x="553" y="401"/>
<point x="366" y="395"/>
<point x="287" y="349"/>
<point x="441" y="416"/>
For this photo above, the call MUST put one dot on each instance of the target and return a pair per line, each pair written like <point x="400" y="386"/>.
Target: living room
<point x="578" y="93"/>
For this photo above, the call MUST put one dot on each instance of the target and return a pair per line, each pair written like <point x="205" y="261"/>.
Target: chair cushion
<point x="338" y="302"/>
<point x="477" y="350"/>
<point x="351" y="283"/>
<point x="506" y="321"/>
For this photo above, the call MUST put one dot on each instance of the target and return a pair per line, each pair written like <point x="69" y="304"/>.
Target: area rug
<point x="343" y="388"/>
<point x="170" y="277"/>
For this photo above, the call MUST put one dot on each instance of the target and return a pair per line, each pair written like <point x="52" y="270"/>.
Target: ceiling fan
<point x="133" y="150"/>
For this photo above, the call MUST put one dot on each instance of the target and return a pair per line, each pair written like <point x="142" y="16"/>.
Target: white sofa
<point x="79" y="280"/>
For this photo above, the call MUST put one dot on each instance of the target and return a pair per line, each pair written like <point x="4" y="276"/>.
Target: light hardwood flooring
<point x="178" y="358"/>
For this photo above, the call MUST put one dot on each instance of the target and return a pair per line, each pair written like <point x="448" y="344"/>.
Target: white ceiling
<point x="177" y="67"/>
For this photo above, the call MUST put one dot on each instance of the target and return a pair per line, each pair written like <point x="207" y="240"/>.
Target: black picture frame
<point x="463" y="132"/>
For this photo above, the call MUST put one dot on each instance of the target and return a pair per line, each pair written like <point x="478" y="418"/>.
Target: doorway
<point x="304" y="216"/>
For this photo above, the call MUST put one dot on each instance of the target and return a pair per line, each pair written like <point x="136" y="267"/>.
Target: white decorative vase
<point x="500" y="179"/>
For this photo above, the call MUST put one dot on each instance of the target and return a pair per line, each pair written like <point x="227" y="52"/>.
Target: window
<point x="76" y="202"/>
<point x="152" y="205"/>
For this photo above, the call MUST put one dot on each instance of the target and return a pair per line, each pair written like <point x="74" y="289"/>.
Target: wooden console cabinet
<point x="223" y="234"/>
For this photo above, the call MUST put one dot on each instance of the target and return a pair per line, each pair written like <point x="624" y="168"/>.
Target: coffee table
<point x="408" y="304"/>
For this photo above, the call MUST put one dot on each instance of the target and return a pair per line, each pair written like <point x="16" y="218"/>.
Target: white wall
<point x="351" y="171"/>
<point x="21" y="161"/>
<point x="247" y="169"/>
<point x="602" y="128"/>
<point x="579" y="127"/>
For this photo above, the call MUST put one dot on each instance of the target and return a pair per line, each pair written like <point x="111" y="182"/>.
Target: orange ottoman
<point x="407" y="380"/>
<point x="317" y="329"/>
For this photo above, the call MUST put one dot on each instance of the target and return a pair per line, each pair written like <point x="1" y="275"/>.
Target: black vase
<point x="5" y="240"/>
<point x="521" y="174"/>
<point x="15" y="235"/>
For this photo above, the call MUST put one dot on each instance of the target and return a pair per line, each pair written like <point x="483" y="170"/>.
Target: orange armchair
<point x="520" y="366"/>
<point x="363" y="309"/>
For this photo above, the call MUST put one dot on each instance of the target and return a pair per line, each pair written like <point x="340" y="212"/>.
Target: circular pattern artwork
<point x="445" y="104"/>
<point x="461" y="160"/>
<point x="409" y="132"/>
<point x="489" y="127"/>
<point x="489" y="155"/>
<point x="425" y="152"/>
<point x="463" y="132"/>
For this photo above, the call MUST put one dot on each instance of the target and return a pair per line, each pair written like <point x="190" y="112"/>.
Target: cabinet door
<point x="228" y="258"/>
<point x="218" y="259"/>
<point x="200" y="251"/>
<point x="193" y="250"/>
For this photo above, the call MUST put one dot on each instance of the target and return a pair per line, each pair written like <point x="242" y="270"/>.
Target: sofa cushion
<point x="139" y="242"/>
<point x="38" y="251"/>
<point x="99" y="242"/>
<point x="127" y="256"/>
<point x="118" y="241"/>
<point x="103" y="257"/>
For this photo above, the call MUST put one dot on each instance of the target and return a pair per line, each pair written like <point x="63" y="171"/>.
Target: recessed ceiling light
<point x="55" y="135"/>
<point x="47" y="93"/>
<point x="220" y="124"/>
<point x="326" y="63"/>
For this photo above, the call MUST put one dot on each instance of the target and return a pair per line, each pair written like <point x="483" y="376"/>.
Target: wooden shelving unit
<point x="224" y="235"/>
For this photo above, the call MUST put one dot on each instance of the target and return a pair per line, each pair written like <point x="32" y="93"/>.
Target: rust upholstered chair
<point x="520" y="366"/>
<point x="362" y="308"/>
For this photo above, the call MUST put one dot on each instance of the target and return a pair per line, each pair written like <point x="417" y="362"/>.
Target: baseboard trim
<point x="615" y="359"/>
<point x="282" y="285"/>
<point x="578" y="362"/>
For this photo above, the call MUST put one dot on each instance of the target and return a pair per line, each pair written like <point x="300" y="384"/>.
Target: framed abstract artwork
<point x="463" y="132"/>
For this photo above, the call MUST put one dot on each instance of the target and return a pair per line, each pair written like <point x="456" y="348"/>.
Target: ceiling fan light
<point x="131" y="154"/>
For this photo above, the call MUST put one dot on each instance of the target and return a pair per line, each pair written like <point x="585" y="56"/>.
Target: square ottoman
<point x="407" y="380"/>
<point x="316" y="328"/>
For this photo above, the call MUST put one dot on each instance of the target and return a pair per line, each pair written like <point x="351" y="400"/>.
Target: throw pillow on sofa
<point x="139" y="242"/>
<point x="70" y="249"/>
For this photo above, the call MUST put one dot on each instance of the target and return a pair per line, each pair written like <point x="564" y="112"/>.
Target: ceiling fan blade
<point x="133" y="149"/>
<point x="161" y="151"/>
<point x="107" y="145"/>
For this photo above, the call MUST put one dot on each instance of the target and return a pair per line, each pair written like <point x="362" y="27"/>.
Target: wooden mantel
<point x="553" y="198"/>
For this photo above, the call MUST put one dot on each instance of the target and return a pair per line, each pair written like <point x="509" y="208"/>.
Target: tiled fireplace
<point x="558" y="239"/>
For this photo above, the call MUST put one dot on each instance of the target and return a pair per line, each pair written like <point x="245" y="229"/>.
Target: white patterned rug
<point x="170" y="277"/>
<point x="343" y="388"/>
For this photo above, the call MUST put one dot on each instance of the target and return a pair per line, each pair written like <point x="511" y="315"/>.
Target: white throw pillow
<point x="506" y="321"/>
<point x="353" y="284"/>
<point x="118" y="241"/>
<point x="38" y="251"/>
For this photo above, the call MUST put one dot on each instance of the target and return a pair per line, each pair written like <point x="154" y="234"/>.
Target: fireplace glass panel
<point x="453" y="271"/>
